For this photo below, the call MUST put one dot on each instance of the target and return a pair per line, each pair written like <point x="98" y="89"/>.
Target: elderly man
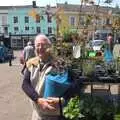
<point x="33" y="83"/>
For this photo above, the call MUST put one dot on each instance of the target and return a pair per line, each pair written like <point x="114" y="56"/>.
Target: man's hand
<point x="55" y="100"/>
<point x="45" y="103"/>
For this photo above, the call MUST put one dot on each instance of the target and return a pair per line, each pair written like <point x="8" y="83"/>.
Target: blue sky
<point x="45" y="2"/>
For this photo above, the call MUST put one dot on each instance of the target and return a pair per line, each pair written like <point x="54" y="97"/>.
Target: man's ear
<point x="49" y="50"/>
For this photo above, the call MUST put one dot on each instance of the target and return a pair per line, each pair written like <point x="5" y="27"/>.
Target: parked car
<point x="102" y="34"/>
<point x="4" y="53"/>
<point x="97" y="44"/>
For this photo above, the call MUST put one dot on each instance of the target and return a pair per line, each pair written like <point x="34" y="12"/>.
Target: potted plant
<point x="89" y="108"/>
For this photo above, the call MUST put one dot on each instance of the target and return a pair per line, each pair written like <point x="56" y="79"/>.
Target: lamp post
<point x="22" y="40"/>
<point x="10" y="39"/>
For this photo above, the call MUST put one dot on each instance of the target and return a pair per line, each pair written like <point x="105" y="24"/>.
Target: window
<point x="15" y="19"/>
<point x="37" y="18"/>
<point x="49" y="30"/>
<point x="38" y="30"/>
<point x="99" y="22"/>
<point x="26" y="19"/>
<point x="72" y="21"/>
<point x="6" y="30"/>
<point x="4" y="20"/>
<point x="26" y="28"/>
<point x="49" y="18"/>
<point x="16" y="29"/>
<point x="107" y="21"/>
<point x="104" y="21"/>
<point x="82" y="20"/>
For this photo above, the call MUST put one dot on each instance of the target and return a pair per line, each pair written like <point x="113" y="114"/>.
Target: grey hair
<point x="43" y="37"/>
<point x="29" y="43"/>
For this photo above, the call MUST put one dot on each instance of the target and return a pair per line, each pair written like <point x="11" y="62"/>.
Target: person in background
<point x="39" y="70"/>
<point x="116" y="54"/>
<point x="108" y="58"/>
<point x="10" y="56"/>
<point x="116" y="50"/>
<point x="28" y="53"/>
<point x="110" y="42"/>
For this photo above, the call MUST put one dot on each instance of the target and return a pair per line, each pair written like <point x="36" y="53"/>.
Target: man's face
<point x="109" y="39"/>
<point x="41" y="46"/>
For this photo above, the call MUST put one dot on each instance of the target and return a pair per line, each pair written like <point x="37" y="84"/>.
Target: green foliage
<point x="88" y="19"/>
<point x="67" y="36"/>
<point x="88" y="68"/>
<point x="117" y="113"/>
<point x="72" y="111"/>
<point x="89" y="108"/>
<point x="117" y="117"/>
<point x="96" y="108"/>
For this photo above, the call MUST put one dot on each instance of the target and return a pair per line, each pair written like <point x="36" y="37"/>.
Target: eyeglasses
<point x="41" y="45"/>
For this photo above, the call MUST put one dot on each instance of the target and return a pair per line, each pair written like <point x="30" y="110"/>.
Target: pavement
<point x="14" y="104"/>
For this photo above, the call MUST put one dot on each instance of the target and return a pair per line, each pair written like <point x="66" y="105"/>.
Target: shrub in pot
<point x="89" y="108"/>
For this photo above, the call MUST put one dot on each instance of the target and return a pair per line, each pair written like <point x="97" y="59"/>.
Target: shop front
<point x="20" y="41"/>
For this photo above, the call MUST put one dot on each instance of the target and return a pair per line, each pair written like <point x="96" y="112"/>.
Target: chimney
<point x="66" y="3"/>
<point x="34" y="4"/>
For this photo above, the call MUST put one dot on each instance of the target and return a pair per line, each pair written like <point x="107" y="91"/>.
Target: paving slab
<point x="14" y="105"/>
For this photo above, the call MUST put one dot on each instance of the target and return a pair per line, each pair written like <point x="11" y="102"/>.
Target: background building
<point x="89" y="18"/>
<point x="23" y="23"/>
<point x="18" y="24"/>
<point x="4" y="35"/>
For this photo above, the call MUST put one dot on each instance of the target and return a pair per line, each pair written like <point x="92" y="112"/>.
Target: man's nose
<point x="40" y="46"/>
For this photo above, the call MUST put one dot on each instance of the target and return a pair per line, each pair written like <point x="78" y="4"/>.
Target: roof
<point x="10" y="7"/>
<point x="84" y="8"/>
<point x="52" y="8"/>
